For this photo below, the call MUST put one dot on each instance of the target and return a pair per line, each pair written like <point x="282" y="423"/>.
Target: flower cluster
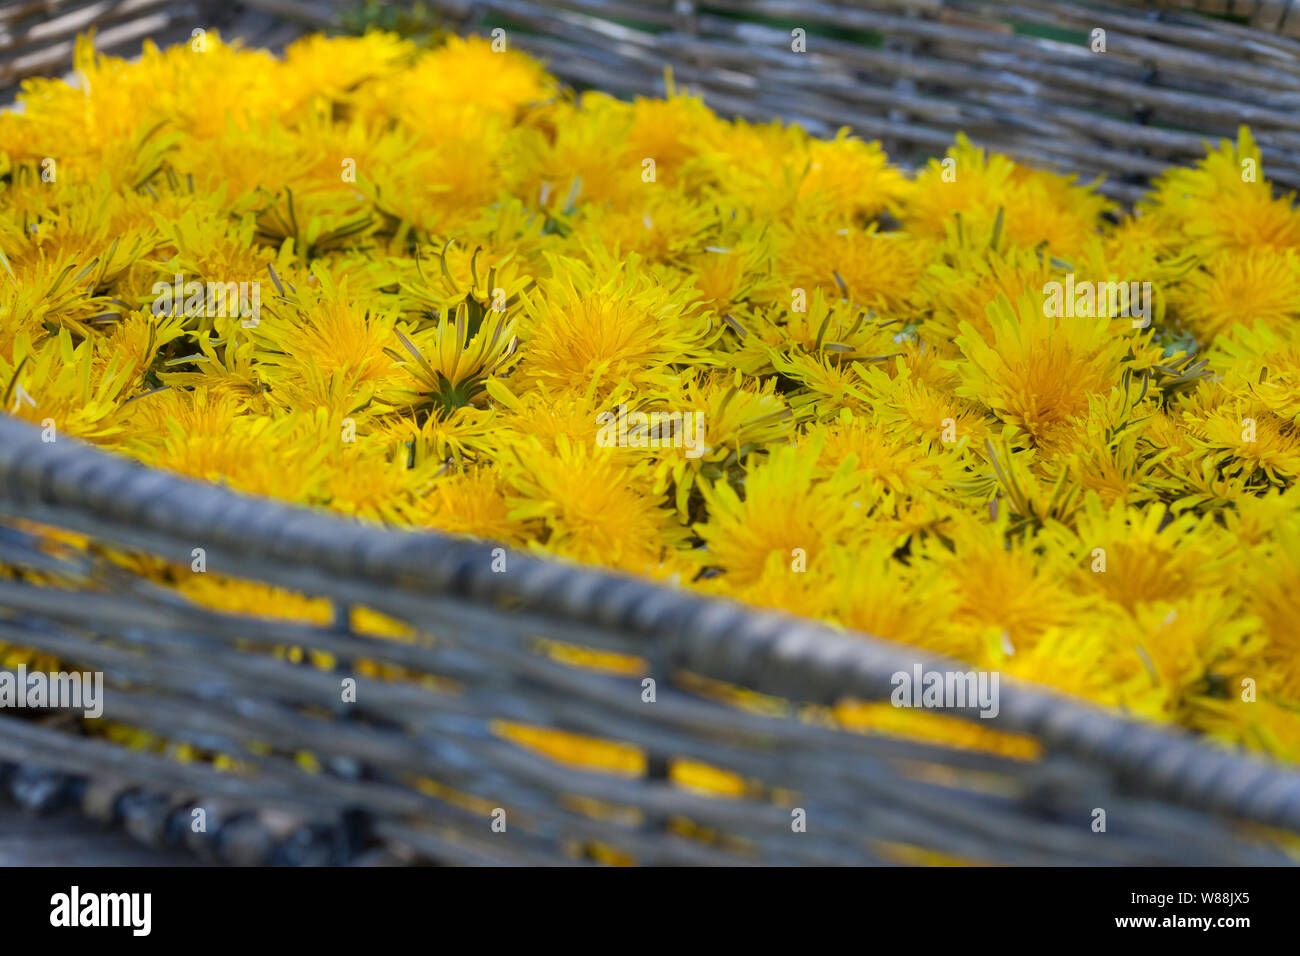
<point x="977" y="408"/>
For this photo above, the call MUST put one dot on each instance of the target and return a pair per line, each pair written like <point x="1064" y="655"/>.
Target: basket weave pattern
<point x="211" y="679"/>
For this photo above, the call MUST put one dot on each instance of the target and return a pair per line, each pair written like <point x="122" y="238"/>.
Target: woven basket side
<point x="439" y="579"/>
<point x="38" y="37"/>
<point x="920" y="72"/>
<point x="912" y="73"/>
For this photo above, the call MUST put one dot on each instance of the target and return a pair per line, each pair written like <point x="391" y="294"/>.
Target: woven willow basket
<point x="408" y="770"/>
<point x="911" y="73"/>
<point x="418" y="768"/>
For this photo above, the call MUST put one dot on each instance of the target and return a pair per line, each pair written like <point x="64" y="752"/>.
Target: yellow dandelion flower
<point x="592" y="505"/>
<point x="1039" y="371"/>
<point x="918" y="605"/>
<point x="1004" y="590"/>
<point x="885" y="456"/>
<point x="1224" y="203"/>
<point x="465" y="70"/>
<point x="963" y="289"/>
<point x="786" y="511"/>
<point x="473" y="502"/>
<point x="872" y="269"/>
<point x="993" y="196"/>
<point x="851" y="177"/>
<point x="1240" y="288"/>
<point x="1272" y="589"/>
<point x="622" y="325"/>
<point x="1084" y="660"/>
<point x="1133" y="556"/>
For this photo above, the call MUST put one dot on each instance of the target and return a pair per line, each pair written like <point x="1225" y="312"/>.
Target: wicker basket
<point x="407" y="769"/>
<point x="924" y="69"/>
<point x="413" y="771"/>
<point x="913" y="74"/>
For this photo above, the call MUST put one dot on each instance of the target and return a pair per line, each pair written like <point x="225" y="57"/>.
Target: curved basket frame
<point x="213" y="679"/>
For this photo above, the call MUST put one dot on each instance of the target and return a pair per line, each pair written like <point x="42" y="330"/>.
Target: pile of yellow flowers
<point x="455" y="275"/>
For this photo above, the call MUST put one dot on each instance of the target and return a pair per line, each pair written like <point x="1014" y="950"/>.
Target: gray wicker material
<point x="79" y="814"/>
<point x="208" y="678"/>
<point x="1170" y="78"/>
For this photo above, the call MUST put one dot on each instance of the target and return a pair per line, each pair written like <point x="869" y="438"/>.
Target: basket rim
<point x="74" y="485"/>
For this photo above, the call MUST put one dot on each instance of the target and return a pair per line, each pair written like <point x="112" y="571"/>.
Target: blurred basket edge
<point x="1171" y="78"/>
<point x="410" y="771"/>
